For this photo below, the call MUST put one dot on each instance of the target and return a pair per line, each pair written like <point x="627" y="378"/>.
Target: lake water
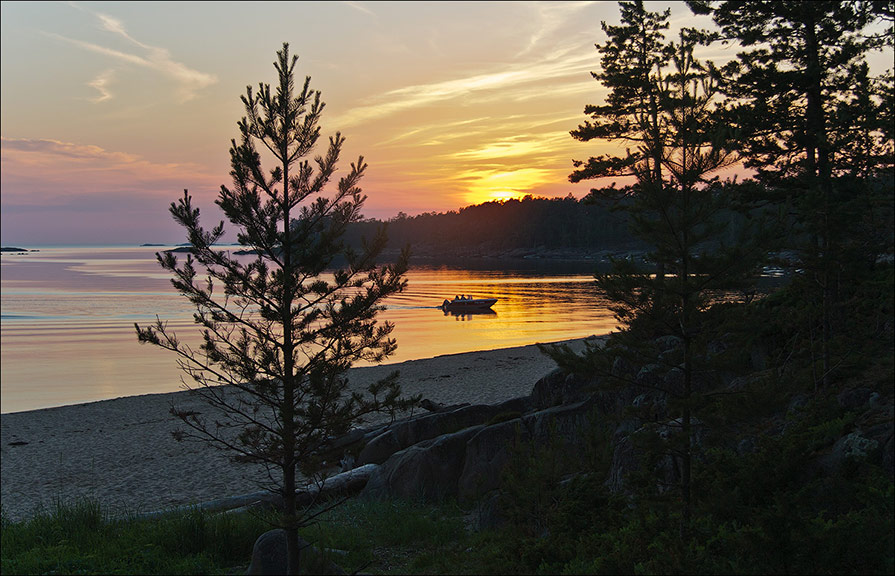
<point x="68" y="313"/>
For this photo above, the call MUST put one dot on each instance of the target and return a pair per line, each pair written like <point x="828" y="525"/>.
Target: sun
<point x="503" y="196"/>
<point x="500" y="186"/>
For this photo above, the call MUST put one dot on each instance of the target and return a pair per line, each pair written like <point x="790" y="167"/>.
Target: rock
<point x="854" y="398"/>
<point x="522" y="404"/>
<point x="641" y="401"/>
<point x="489" y="451"/>
<point x="269" y="553"/>
<point x="627" y="459"/>
<point x="269" y="556"/>
<point x="427" y="404"/>
<point x="623" y="368"/>
<point x="855" y="445"/>
<point x="851" y="446"/>
<point x="624" y="461"/>
<point x="668" y="343"/>
<point x="743" y="383"/>
<point x="405" y="433"/>
<point x="348" y="444"/>
<point x="347" y="463"/>
<point x="673" y="381"/>
<point x="487" y="514"/>
<point x="717" y="347"/>
<point x="651" y="376"/>
<point x="557" y="388"/>
<point x="568" y="422"/>
<point x="546" y="391"/>
<point x="352" y="437"/>
<point x="427" y="470"/>
<point x="380" y="448"/>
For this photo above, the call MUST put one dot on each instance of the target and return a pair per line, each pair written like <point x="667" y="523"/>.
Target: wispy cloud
<point x="58" y="148"/>
<point x="552" y="17"/>
<point x="540" y="130"/>
<point x="514" y="146"/>
<point x="190" y="80"/>
<point x="359" y="6"/>
<point x="519" y="83"/>
<point x="101" y="85"/>
<point x="44" y="171"/>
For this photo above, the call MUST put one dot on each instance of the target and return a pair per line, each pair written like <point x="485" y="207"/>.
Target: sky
<point x="111" y="109"/>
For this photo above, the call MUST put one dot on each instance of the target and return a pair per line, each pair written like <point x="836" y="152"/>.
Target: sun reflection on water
<point x="68" y="315"/>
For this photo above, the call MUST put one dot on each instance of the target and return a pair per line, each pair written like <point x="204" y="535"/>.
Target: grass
<point x="587" y="531"/>
<point x="372" y="536"/>
<point x="80" y="538"/>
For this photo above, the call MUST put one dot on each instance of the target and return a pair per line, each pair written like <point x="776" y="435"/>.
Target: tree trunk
<point x="821" y="178"/>
<point x="686" y="431"/>
<point x="290" y="514"/>
<point x="293" y="552"/>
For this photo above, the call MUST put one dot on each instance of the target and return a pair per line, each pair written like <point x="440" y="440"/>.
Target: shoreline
<point x="121" y="451"/>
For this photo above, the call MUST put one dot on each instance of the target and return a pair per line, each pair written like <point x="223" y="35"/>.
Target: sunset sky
<point x="110" y="110"/>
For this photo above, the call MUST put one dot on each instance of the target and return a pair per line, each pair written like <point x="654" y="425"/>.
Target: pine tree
<point x="812" y="121"/>
<point x="278" y="328"/>
<point x="664" y="100"/>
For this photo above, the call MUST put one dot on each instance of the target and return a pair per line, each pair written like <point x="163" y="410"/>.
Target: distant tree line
<point x="502" y="228"/>
<point x="517" y="227"/>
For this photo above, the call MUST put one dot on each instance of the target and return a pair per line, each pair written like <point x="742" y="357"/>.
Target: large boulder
<point x="269" y="556"/>
<point x="558" y="387"/>
<point x="427" y="470"/>
<point x="489" y="451"/>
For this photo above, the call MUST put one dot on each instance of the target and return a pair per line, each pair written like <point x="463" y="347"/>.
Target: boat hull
<point x="467" y="305"/>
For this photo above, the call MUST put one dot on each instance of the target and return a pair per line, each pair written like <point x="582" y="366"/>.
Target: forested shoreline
<point x="566" y="228"/>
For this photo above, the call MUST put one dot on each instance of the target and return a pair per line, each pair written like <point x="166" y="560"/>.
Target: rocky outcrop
<point x="464" y="451"/>
<point x="428" y="470"/>
<point x="470" y="462"/>
<point x="489" y="451"/>
<point x="404" y="434"/>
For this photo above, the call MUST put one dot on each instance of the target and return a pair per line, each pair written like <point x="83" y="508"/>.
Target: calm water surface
<point x="68" y="313"/>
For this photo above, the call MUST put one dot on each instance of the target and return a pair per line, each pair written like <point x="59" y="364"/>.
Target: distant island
<point x="15" y="249"/>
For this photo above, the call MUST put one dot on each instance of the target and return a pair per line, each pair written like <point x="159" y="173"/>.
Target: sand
<point x="122" y="453"/>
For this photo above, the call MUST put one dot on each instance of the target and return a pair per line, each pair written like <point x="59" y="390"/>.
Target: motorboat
<point x="467" y="304"/>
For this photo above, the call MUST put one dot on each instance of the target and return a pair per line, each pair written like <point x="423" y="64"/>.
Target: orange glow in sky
<point x="111" y="109"/>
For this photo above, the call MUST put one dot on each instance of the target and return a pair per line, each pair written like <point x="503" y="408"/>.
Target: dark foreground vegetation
<point x="793" y="500"/>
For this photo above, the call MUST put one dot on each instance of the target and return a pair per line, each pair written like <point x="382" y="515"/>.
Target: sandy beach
<point x="122" y="452"/>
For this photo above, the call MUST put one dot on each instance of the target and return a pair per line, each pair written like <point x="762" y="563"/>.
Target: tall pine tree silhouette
<point x="663" y="100"/>
<point x="818" y="132"/>
<point x="280" y="328"/>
